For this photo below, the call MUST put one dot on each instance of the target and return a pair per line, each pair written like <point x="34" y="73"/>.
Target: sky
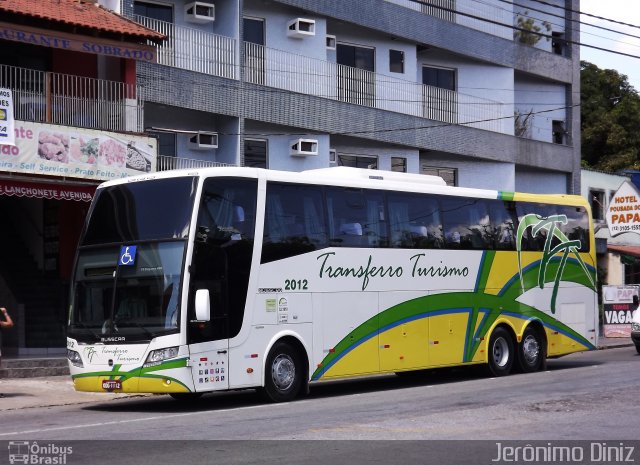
<point x="627" y="11"/>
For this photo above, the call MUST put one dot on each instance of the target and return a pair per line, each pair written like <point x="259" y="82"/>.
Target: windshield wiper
<point x="83" y="326"/>
<point x="133" y="322"/>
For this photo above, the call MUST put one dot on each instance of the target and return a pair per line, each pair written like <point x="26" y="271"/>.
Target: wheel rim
<point x="283" y="372"/>
<point x="500" y="352"/>
<point x="530" y="349"/>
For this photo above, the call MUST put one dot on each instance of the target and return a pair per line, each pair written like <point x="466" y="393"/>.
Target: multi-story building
<point x="461" y="88"/>
<point x="484" y="93"/>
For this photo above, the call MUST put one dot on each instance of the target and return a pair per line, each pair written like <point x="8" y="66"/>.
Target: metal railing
<point x="297" y="73"/>
<point x="470" y="14"/>
<point x="166" y="163"/>
<point x="46" y="97"/>
<point x="193" y="49"/>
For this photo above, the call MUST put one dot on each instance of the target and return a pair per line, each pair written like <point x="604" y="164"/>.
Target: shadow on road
<point x="325" y="389"/>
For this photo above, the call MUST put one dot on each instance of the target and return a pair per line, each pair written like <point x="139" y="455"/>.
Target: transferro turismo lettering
<point x="371" y="270"/>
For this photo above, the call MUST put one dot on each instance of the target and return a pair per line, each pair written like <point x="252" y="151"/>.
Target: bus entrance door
<point x="210" y="368"/>
<point x="210" y="340"/>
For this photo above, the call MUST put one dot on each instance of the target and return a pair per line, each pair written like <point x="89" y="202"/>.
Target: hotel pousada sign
<point x="623" y="214"/>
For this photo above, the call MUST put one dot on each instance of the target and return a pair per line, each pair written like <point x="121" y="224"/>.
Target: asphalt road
<point x="588" y="397"/>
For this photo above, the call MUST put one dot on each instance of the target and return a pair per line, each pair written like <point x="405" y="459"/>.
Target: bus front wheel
<point x="501" y="352"/>
<point x="283" y="373"/>
<point x="530" y="351"/>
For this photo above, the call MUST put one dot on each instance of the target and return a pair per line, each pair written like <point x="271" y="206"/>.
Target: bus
<point x="192" y="281"/>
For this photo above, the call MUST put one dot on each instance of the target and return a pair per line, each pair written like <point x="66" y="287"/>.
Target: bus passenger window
<point x="414" y="220"/>
<point x="356" y="218"/>
<point x="294" y="221"/>
<point x="466" y="223"/>
<point x="503" y="224"/>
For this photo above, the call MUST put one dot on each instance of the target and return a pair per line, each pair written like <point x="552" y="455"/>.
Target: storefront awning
<point x="633" y="250"/>
<point x="47" y="190"/>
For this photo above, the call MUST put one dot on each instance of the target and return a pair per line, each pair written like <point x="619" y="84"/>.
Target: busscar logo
<point x="34" y="453"/>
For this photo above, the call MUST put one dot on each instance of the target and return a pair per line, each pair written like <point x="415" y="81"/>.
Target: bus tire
<point x="530" y="351"/>
<point x="283" y="373"/>
<point x="501" y="352"/>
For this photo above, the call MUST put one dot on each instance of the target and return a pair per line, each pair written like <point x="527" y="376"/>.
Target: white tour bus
<point x="228" y="278"/>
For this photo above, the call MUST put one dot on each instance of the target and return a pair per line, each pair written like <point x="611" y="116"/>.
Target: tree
<point x="610" y="113"/>
<point x="527" y="32"/>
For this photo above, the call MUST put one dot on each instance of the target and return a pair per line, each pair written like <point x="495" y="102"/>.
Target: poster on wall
<point x="7" y="132"/>
<point x="618" y="303"/>
<point x="79" y="153"/>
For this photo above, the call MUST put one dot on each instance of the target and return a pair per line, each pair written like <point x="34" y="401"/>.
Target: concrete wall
<point x="471" y="173"/>
<point x="540" y="182"/>
<point x="544" y="100"/>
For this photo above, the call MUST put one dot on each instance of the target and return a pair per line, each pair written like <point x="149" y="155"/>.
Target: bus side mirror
<point x="203" y="305"/>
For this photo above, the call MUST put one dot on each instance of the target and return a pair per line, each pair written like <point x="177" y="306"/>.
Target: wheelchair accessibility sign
<point x="127" y="255"/>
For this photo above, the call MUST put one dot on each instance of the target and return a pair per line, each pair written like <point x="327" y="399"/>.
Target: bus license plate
<point x="110" y="385"/>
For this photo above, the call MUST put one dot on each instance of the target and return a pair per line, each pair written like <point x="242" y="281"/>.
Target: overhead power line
<point x="528" y="31"/>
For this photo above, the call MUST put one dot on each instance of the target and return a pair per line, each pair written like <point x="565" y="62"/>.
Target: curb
<point x="616" y="346"/>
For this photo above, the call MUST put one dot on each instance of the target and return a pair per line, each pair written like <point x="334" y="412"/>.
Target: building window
<point x="399" y="164"/>
<point x="439" y="77"/>
<point x="596" y="199"/>
<point x="358" y="161"/>
<point x="356" y="56"/>
<point x="396" y="61"/>
<point x="559" y="131"/>
<point x="255" y="153"/>
<point x="557" y="43"/>
<point x="154" y="11"/>
<point x="253" y="30"/>
<point x="450" y="175"/>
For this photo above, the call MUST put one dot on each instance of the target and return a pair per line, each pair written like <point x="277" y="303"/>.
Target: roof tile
<point x="79" y="13"/>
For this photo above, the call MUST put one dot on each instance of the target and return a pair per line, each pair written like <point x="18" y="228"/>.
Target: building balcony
<point x="296" y="73"/>
<point x="47" y="97"/>
<point x="194" y="50"/>
<point x="165" y="163"/>
<point x="481" y="16"/>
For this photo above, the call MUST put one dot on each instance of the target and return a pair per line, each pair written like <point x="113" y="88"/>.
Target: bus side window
<point x="414" y="221"/>
<point x="466" y="223"/>
<point x="503" y="224"/>
<point x="294" y="221"/>
<point x="356" y="218"/>
<point x="577" y="227"/>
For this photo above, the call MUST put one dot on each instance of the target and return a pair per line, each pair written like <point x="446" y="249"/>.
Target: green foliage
<point x="528" y="29"/>
<point x="610" y="113"/>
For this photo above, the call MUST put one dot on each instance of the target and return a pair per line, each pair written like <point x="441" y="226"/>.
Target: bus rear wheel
<point x="283" y="373"/>
<point x="530" y="351"/>
<point x="501" y="352"/>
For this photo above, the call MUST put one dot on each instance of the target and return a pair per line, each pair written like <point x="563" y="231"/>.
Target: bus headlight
<point x="158" y="355"/>
<point x="74" y="358"/>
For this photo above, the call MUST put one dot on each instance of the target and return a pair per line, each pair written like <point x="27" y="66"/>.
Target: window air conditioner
<point x="204" y="141"/>
<point x="300" y="28"/>
<point x="199" y="12"/>
<point x="304" y="147"/>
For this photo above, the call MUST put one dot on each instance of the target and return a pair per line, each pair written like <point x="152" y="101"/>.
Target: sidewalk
<point x="20" y="393"/>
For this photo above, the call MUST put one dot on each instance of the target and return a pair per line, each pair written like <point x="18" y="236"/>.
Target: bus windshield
<point x="130" y="260"/>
